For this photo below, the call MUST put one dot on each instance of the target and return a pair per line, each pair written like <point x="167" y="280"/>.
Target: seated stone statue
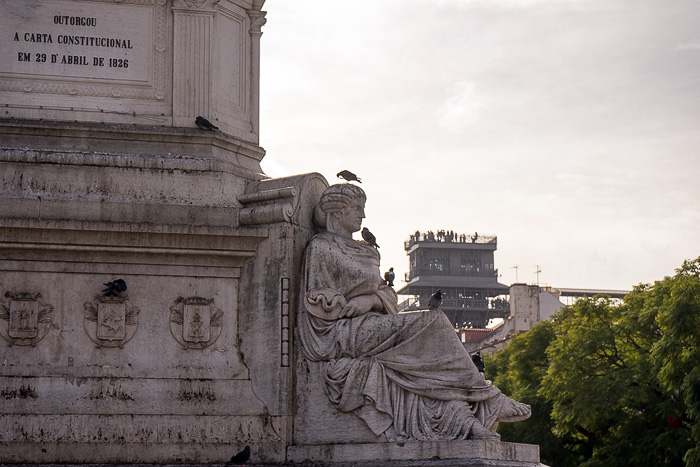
<point x="406" y="375"/>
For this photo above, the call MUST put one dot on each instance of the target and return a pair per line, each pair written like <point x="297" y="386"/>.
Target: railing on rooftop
<point x="427" y="272"/>
<point x="495" y="304"/>
<point x="448" y="237"/>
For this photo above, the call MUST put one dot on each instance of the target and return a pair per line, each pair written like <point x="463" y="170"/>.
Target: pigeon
<point x="389" y="277"/>
<point x="114" y="288"/>
<point x="240" y="458"/>
<point x="435" y="300"/>
<point x="369" y="237"/>
<point x="349" y="176"/>
<point x="205" y="124"/>
<point x="478" y="362"/>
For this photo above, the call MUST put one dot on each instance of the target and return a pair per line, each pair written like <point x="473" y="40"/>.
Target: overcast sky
<point x="569" y="129"/>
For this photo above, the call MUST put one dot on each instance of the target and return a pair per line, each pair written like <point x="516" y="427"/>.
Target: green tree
<point x="677" y="302"/>
<point x="603" y="383"/>
<point x="612" y="384"/>
<point x="518" y="370"/>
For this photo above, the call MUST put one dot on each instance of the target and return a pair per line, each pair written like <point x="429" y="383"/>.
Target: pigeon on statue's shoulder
<point x="369" y="237"/>
<point x="389" y="277"/>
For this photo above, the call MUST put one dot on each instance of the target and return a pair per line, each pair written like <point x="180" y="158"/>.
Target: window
<point x="470" y="267"/>
<point x="438" y="265"/>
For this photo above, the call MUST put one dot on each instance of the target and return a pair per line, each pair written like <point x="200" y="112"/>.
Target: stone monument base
<point x="442" y="453"/>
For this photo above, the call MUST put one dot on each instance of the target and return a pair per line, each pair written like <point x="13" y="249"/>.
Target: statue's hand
<point x="360" y="305"/>
<point x="325" y="303"/>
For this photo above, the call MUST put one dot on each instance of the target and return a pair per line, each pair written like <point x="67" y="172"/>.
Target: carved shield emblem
<point x="196" y="325"/>
<point x="27" y="318"/>
<point x="24" y="319"/>
<point x="111" y="321"/>
<point x="195" y="322"/>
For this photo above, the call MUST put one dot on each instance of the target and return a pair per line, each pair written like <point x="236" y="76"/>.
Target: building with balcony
<point x="462" y="266"/>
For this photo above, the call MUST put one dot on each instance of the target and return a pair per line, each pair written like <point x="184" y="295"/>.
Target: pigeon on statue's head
<point x="348" y="176"/>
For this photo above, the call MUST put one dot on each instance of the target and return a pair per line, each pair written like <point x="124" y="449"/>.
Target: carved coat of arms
<point x="195" y="322"/>
<point x="27" y="318"/>
<point x="110" y="321"/>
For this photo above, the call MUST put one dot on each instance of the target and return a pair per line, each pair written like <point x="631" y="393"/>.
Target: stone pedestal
<point x="438" y="453"/>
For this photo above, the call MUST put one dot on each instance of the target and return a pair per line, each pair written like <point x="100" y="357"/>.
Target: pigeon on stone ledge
<point x="114" y="288"/>
<point x="369" y="237"/>
<point x="348" y="176"/>
<point x="435" y="300"/>
<point x="205" y="124"/>
<point x="240" y="458"/>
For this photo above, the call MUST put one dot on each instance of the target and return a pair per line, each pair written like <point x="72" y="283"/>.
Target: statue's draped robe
<point x="406" y="375"/>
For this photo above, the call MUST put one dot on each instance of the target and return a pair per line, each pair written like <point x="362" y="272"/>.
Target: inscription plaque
<point x="65" y="38"/>
<point x="96" y="48"/>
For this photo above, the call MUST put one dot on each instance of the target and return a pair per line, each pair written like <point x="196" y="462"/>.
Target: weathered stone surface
<point x="134" y="438"/>
<point x="465" y="452"/>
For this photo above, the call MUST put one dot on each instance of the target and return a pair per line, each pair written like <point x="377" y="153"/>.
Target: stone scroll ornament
<point x="24" y="318"/>
<point x="195" y="322"/>
<point x="407" y="375"/>
<point x="110" y="321"/>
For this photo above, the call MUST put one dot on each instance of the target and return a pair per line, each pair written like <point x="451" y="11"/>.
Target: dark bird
<point x="240" y="458"/>
<point x="349" y="176"/>
<point x="114" y="288"/>
<point x="369" y="237"/>
<point x="435" y="300"/>
<point x="478" y="362"/>
<point x="389" y="277"/>
<point x="205" y="124"/>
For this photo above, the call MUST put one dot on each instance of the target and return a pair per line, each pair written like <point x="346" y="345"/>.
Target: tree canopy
<point x="612" y="383"/>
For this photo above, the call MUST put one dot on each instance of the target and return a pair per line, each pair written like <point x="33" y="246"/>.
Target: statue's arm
<point x="388" y="298"/>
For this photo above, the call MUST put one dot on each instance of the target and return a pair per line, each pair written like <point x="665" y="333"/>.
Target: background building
<point x="460" y="265"/>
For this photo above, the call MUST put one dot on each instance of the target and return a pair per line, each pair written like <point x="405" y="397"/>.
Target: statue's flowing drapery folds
<point x="406" y="375"/>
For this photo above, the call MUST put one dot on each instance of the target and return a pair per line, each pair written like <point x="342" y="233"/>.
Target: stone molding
<point x="267" y="207"/>
<point x="257" y="21"/>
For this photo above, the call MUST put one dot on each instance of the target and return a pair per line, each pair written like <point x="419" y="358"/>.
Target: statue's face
<point x="350" y="218"/>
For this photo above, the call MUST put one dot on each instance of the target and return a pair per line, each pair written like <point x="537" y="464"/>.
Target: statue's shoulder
<point x="334" y="244"/>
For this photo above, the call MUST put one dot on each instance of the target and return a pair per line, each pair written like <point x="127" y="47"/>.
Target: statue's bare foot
<point x="513" y="411"/>
<point x="478" y="431"/>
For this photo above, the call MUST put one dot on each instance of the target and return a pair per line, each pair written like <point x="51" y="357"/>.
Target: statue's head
<point x="342" y="195"/>
<point x="343" y="205"/>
